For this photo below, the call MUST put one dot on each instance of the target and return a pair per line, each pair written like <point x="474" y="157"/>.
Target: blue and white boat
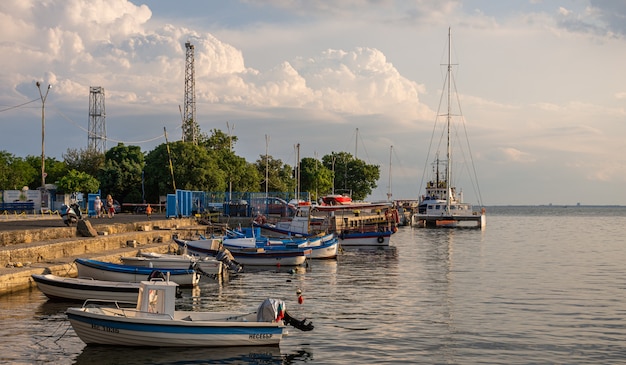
<point x="323" y="246"/>
<point x="251" y="256"/>
<point x="155" y="322"/>
<point x="100" y="270"/>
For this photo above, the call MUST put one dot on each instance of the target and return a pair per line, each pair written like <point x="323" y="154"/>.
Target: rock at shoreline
<point x="85" y="229"/>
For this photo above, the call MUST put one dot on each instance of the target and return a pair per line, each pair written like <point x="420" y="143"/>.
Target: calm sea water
<point x="540" y="285"/>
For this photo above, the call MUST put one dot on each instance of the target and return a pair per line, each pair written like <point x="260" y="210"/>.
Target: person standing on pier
<point x="110" y="207"/>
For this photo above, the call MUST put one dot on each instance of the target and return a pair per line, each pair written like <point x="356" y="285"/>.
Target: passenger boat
<point x="154" y="322"/>
<point x="100" y="270"/>
<point x="442" y="205"/>
<point x="81" y="289"/>
<point x="355" y="224"/>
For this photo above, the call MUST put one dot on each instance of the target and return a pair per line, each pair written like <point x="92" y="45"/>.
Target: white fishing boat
<point x="154" y="322"/>
<point x="81" y="289"/>
<point x="208" y="265"/>
<point x="100" y="270"/>
<point x="442" y="205"/>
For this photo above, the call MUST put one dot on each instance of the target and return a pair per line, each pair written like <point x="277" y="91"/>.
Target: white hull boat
<point x="442" y="205"/>
<point x="155" y="323"/>
<point x="100" y="270"/>
<point x="208" y="265"/>
<point x="80" y="289"/>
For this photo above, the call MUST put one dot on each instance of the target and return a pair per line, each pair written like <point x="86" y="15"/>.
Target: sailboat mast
<point x="389" y="188"/>
<point x="449" y="116"/>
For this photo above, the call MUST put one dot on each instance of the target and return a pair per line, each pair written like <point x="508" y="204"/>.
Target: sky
<point x="541" y="85"/>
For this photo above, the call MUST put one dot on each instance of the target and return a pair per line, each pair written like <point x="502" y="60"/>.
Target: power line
<point x="17" y="106"/>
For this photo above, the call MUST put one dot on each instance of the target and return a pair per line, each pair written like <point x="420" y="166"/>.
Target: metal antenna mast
<point x="190" y="132"/>
<point x="97" y="135"/>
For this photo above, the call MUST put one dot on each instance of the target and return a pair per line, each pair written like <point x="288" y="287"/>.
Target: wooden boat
<point x="356" y="224"/>
<point x="81" y="289"/>
<point x="155" y="322"/>
<point x="248" y="256"/>
<point x="208" y="265"/>
<point x="442" y="205"/>
<point x="100" y="270"/>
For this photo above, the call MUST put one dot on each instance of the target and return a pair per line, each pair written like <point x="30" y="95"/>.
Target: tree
<point x="121" y="174"/>
<point x="193" y="166"/>
<point x="220" y="141"/>
<point x="54" y="170"/>
<point x="78" y="182"/>
<point x="352" y="174"/>
<point x="15" y="173"/>
<point x="279" y="175"/>
<point x="87" y="160"/>
<point x="315" y="177"/>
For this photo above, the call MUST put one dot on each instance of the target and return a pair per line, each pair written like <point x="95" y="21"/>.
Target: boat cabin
<point x="156" y="296"/>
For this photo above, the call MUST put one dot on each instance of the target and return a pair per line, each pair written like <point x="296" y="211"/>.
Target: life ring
<point x="380" y="239"/>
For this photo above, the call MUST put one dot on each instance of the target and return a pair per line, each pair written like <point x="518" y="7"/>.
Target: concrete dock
<point x="38" y="244"/>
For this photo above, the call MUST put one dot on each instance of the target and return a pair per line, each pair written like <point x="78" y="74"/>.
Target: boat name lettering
<point x="105" y="329"/>
<point x="260" y="336"/>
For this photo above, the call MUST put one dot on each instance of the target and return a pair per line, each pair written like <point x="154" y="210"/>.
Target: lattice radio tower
<point x="97" y="118"/>
<point x="190" y="130"/>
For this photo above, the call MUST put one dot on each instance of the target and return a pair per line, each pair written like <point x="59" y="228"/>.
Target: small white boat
<point x="155" y="260"/>
<point x="155" y="323"/>
<point x="80" y="289"/>
<point x="100" y="270"/>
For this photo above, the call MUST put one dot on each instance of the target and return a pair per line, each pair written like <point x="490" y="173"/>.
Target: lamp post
<point x="43" y="132"/>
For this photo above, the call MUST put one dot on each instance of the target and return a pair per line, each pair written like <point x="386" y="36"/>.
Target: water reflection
<point x="222" y="355"/>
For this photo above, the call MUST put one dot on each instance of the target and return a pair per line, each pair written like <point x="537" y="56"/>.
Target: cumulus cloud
<point x="108" y="43"/>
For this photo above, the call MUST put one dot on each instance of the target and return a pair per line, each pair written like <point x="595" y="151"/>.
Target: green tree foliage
<point x="54" y="169"/>
<point x="86" y="160"/>
<point x="220" y="141"/>
<point x="194" y="168"/>
<point x="315" y="177"/>
<point x="121" y="174"/>
<point x="16" y="172"/>
<point x="279" y="175"/>
<point x="78" y="182"/>
<point x="352" y="174"/>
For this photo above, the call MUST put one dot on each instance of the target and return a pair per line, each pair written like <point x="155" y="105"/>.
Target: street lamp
<point x="43" y="131"/>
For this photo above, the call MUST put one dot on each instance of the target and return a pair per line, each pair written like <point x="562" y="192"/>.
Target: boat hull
<point x="99" y="270"/>
<point x="250" y="256"/>
<point x="93" y="326"/>
<point x="365" y="239"/>
<point x="78" y="289"/>
<point x="207" y="264"/>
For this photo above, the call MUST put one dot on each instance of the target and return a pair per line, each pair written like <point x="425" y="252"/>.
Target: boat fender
<point x="299" y="294"/>
<point x="380" y="239"/>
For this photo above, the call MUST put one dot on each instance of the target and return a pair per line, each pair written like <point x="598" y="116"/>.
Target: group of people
<point x="108" y="208"/>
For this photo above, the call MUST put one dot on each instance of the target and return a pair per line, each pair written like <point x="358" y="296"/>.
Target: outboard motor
<point x="226" y="259"/>
<point x="71" y="214"/>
